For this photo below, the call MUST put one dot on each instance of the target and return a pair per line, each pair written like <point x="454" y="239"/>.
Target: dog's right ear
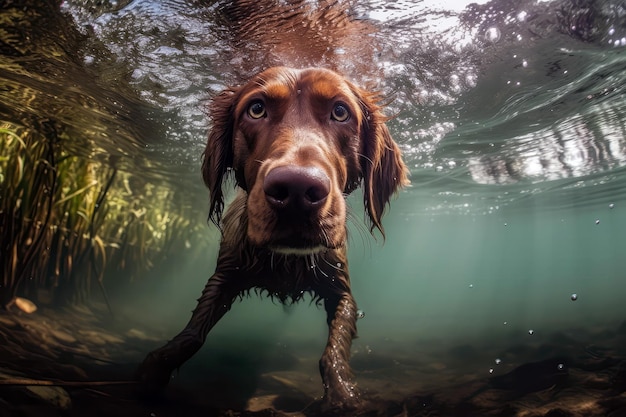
<point x="218" y="155"/>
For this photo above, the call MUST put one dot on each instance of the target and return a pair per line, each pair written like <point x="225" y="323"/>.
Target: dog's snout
<point x="296" y="188"/>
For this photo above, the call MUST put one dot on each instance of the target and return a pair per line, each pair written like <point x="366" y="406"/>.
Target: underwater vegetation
<point x="65" y="220"/>
<point x="74" y="206"/>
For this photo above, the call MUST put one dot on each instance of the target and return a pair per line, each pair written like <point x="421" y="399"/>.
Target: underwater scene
<point x="498" y="288"/>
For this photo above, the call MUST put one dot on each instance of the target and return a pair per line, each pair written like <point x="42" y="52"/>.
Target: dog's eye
<point x="340" y="113"/>
<point x="256" y="110"/>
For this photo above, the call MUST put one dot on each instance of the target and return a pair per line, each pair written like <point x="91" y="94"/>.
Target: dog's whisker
<point x="317" y="266"/>
<point x="310" y="264"/>
<point x="325" y="237"/>
<point x="360" y="228"/>
<point x="337" y="266"/>
<point x="365" y="157"/>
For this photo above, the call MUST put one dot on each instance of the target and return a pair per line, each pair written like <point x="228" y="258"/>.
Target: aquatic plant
<point x="81" y="200"/>
<point x="28" y="175"/>
<point x="66" y="220"/>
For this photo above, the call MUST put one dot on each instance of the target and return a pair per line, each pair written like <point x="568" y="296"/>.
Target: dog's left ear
<point x="218" y="155"/>
<point x="382" y="167"/>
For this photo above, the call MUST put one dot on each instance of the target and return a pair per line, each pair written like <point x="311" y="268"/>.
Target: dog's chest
<point x="290" y="277"/>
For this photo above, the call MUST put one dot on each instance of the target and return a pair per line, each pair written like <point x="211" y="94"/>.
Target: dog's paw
<point x="153" y="374"/>
<point x="346" y="403"/>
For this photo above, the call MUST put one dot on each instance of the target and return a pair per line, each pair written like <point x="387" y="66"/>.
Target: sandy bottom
<point x="80" y="362"/>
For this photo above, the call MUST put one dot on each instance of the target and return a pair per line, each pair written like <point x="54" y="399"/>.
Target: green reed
<point x="70" y="223"/>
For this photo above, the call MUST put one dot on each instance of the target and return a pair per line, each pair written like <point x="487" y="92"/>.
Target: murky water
<point x="512" y="118"/>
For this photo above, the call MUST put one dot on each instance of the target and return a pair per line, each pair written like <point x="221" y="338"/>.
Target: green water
<point x="516" y="145"/>
<point x="461" y="277"/>
<point x="446" y="280"/>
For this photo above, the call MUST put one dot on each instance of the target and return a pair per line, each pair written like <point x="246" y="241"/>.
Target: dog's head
<point x="298" y="141"/>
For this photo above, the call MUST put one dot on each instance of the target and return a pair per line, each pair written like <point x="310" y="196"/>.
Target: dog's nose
<point x="296" y="187"/>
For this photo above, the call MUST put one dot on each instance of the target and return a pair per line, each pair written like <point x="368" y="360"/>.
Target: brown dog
<point x="297" y="142"/>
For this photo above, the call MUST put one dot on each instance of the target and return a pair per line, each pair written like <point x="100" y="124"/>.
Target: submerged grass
<point x="76" y="210"/>
<point x="67" y="221"/>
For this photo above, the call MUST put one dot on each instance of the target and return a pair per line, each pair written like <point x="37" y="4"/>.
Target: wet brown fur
<point x="257" y="240"/>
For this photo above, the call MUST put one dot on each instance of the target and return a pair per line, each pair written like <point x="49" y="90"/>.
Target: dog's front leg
<point x="217" y="297"/>
<point x="339" y="390"/>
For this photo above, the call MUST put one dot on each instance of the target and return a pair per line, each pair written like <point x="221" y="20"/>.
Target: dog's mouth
<point x="297" y="243"/>
<point x="299" y="251"/>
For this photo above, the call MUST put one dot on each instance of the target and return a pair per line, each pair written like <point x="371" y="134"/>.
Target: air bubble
<point x="498" y="361"/>
<point x="360" y="314"/>
<point x="493" y="34"/>
<point x="574" y="297"/>
<point x="531" y="332"/>
<point x="597" y="221"/>
<point x="611" y="206"/>
<point x="560" y="367"/>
